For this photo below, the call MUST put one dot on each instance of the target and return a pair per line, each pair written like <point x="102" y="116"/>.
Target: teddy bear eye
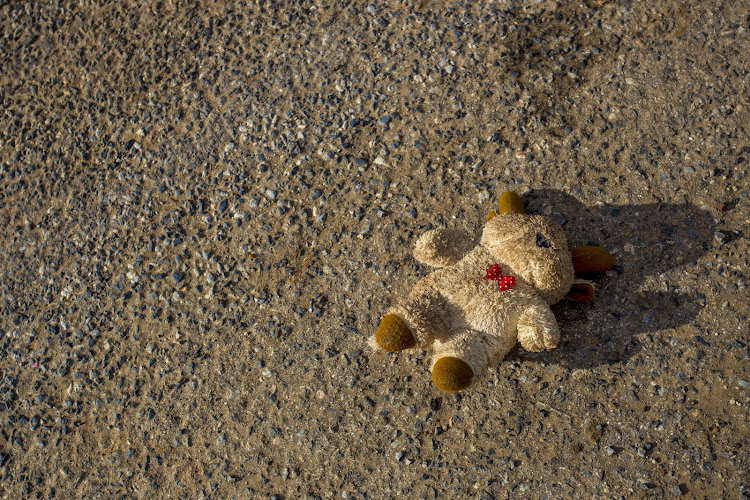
<point x="542" y="242"/>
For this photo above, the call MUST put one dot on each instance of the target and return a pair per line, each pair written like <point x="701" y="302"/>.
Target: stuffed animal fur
<point x="485" y="296"/>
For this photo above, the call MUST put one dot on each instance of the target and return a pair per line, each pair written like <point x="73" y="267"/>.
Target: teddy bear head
<point x="533" y="247"/>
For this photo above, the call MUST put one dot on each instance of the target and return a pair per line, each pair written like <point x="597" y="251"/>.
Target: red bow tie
<point x="494" y="273"/>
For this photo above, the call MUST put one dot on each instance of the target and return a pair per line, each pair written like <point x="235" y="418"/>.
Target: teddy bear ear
<point x="591" y="259"/>
<point x="581" y="291"/>
<point x="510" y="202"/>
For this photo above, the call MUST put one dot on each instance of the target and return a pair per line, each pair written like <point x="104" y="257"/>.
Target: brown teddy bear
<point x="484" y="297"/>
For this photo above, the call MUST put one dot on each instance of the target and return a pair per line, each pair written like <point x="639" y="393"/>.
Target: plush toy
<point x="485" y="296"/>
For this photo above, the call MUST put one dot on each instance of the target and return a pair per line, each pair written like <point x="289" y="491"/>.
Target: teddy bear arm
<point x="538" y="329"/>
<point x="443" y="247"/>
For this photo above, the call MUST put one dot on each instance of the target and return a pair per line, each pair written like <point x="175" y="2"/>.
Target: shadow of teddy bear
<point x="649" y="240"/>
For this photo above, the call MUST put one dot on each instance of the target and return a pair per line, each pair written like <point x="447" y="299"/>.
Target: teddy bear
<point x="486" y="295"/>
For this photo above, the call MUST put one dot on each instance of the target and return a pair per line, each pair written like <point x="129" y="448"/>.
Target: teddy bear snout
<point x="541" y="241"/>
<point x="553" y="276"/>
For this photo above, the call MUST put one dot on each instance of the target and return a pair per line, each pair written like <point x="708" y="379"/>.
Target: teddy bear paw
<point x="451" y="374"/>
<point x="537" y="339"/>
<point x="393" y="334"/>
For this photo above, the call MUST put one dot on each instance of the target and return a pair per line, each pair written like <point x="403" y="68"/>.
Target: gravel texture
<point x="206" y="210"/>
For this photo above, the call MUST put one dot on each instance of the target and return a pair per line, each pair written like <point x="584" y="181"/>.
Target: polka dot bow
<point x="494" y="273"/>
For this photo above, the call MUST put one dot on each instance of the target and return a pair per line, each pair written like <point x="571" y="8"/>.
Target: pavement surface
<point x="206" y="208"/>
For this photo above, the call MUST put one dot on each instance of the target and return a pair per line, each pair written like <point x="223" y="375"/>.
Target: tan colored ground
<point x="207" y="209"/>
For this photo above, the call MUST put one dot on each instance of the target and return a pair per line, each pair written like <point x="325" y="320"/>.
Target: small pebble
<point x="701" y="340"/>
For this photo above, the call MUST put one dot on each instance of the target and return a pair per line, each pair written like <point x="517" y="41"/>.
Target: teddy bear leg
<point x="464" y="357"/>
<point x="394" y="334"/>
<point x="416" y="322"/>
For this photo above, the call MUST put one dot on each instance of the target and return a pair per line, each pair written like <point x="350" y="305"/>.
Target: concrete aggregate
<point x="208" y="206"/>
